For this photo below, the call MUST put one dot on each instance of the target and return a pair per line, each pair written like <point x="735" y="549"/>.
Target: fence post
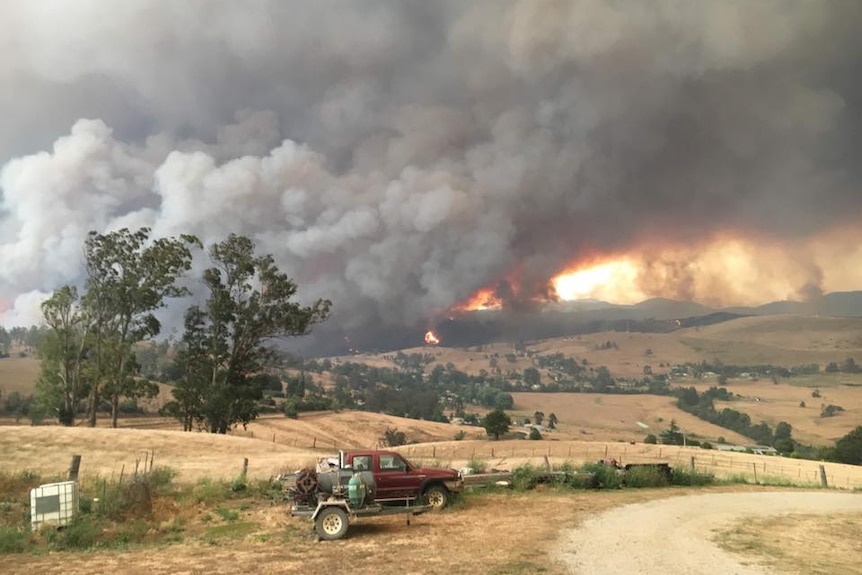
<point x="823" y="475"/>
<point x="754" y="465"/>
<point x="692" y="463"/>
<point x="74" y="467"/>
<point x="244" y="467"/>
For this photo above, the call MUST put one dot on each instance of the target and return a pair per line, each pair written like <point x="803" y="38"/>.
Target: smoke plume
<point x="397" y="156"/>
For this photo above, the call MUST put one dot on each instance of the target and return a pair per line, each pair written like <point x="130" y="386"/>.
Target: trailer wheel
<point x="331" y="523"/>
<point x="437" y="497"/>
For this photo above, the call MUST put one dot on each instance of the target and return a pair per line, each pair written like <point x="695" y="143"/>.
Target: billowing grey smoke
<point x="396" y="156"/>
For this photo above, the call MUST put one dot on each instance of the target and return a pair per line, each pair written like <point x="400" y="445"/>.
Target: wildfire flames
<point x="481" y="300"/>
<point x="430" y="338"/>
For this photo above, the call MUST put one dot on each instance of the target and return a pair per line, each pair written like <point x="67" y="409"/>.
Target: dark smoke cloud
<point x="397" y="156"/>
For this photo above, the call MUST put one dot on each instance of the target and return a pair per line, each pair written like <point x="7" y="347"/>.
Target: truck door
<point x="393" y="478"/>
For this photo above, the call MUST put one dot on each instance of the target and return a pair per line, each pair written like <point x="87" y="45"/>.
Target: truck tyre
<point x="331" y="523"/>
<point x="437" y="497"/>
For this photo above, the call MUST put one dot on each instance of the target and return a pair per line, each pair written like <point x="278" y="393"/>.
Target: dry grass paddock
<point x="499" y="533"/>
<point x="109" y="452"/>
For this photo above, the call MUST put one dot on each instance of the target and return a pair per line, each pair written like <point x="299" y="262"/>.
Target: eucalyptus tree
<point x="63" y="354"/>
<point x="129" y="276"/>
<point x="229" y="339"/>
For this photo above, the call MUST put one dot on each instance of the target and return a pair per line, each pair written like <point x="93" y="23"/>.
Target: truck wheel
<point x="331" y="523"/>
<point x="437" y="497"/>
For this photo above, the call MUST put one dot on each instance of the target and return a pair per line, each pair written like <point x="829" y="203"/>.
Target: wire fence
<point x="508" y="454"/>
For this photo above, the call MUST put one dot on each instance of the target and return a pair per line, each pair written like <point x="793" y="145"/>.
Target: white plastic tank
<point x="53" y="504"/>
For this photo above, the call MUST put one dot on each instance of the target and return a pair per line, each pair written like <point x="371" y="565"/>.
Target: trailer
<point x="333" y="498"/>
<point x="333" y="516"/>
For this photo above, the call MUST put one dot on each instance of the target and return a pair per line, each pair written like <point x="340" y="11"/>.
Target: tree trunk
<point x="92" y="405"/>
<point x="115" y="409"/>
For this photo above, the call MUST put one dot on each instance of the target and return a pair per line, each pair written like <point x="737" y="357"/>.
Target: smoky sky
<point x="397" y="156"/>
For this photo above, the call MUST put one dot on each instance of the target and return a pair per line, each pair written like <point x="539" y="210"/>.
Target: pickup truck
<point x="398" y="480"/>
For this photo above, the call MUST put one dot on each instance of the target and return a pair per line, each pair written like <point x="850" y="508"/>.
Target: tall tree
<point x="229" y="339"/>
<point x="63" y="356"/>
<point x="129" y="277"/>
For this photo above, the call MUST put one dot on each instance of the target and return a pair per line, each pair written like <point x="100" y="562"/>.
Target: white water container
<point x="53" y="504"/>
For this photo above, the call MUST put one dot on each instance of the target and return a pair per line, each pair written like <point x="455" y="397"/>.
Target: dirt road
<point x="673" y="535"/>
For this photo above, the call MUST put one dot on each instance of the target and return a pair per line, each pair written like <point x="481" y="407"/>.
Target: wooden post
<point x="434" y="451"/>
<point x="692" y="463"/>
<point x="606" y="451"/>
<point x="152" y="458"/>
<point x="74" y="467"/>
<point x="492" y="452"/>
<point x="823" y="476"/>
<point x="314" y="443"/>
<point x="547" y="464"/>
<point x="244" y="467"/>
<point x="754" y="465"/>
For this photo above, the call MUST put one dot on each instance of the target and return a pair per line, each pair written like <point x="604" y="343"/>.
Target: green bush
<point x="478" y="465"/>
<point x="82" y="533"/>
<point x="644" y="477"/>
<point x="651" y="438"/>
<point x="525" y="477"/>
<point x="603" y="476"/>
<point x="687" y="477"/>
<point x="161" y="479"/>
<point x="12" y="540"/>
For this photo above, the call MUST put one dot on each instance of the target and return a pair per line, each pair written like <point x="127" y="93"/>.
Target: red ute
<point x="399" y="480"/>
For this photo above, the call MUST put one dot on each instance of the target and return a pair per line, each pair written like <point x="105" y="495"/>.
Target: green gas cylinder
<point x="356" y="490"/>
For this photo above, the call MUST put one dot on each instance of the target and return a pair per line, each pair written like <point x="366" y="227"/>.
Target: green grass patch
<point x="227" y="514"/>
<point x="237" y="530"/>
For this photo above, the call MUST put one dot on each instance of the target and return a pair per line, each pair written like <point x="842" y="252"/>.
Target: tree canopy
<point x="90" y="344"/>
<point x="496" y="423"/>
<point x="228" y="340"/>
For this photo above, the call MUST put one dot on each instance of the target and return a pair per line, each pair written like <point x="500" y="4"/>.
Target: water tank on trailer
<point x="53" y="504"/>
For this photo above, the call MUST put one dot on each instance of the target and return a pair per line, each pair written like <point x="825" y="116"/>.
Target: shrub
<point x="460" y="435"/>
<point x="535" y="434"/>
<point x="651" y="438"/>
<point x="603" y="476"/>
<point x="644" y="477"/>
<point x="12" y="540"/>
<point x="161" y="479"/>
<point x="831" y="410"/>
<point x="478" y="465"/>
<point x="687" y="477"/>
<point x="525" y="477"/>
<point x="82" y="533"/>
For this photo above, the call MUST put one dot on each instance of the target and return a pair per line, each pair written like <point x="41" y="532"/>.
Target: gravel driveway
<point x="673" y="535"/>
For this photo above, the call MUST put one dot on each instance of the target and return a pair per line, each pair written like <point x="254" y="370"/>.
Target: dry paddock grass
<point x="109" y="452"/>
<point x="496" y="534"/>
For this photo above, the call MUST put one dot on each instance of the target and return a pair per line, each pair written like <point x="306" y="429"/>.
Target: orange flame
<point x="484" y="299"/>
<point x="430" y="338"/>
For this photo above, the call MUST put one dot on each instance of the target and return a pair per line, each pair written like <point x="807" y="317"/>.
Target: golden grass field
<point x="503" y="533"/>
